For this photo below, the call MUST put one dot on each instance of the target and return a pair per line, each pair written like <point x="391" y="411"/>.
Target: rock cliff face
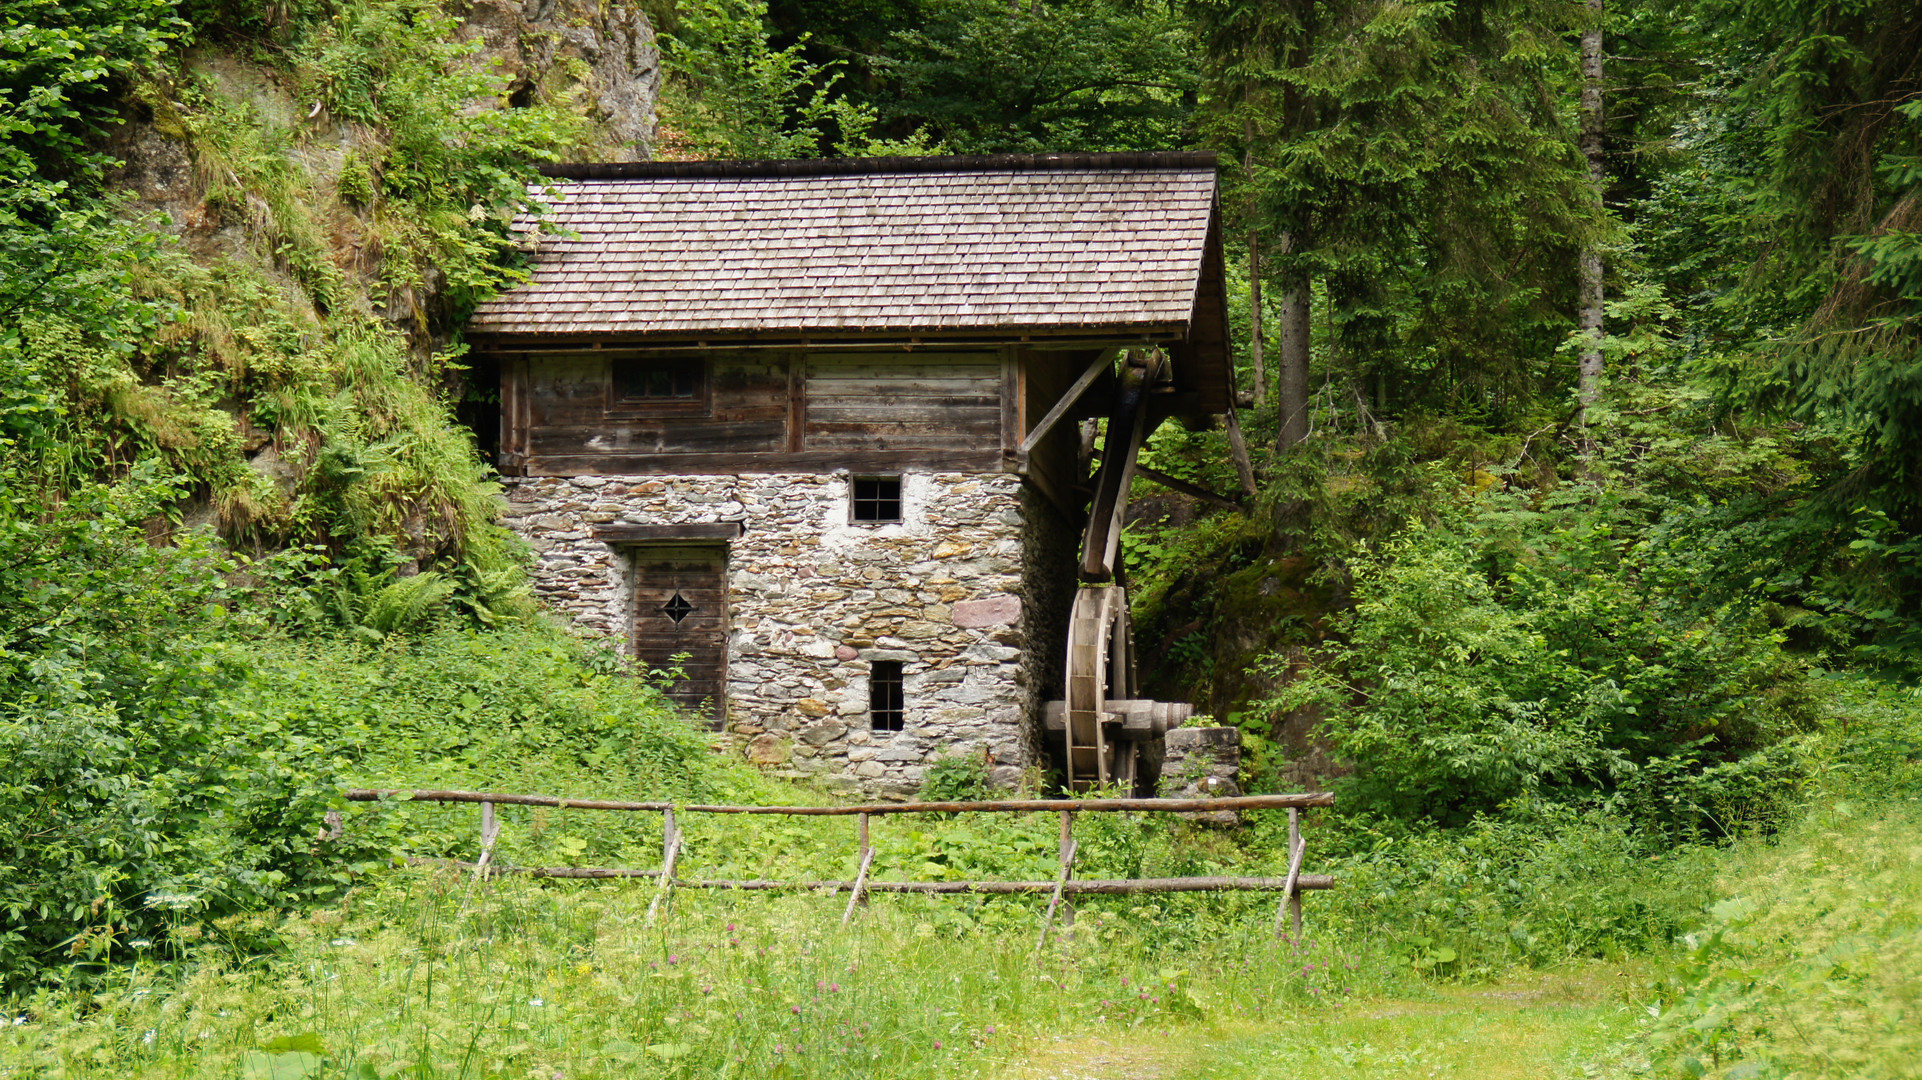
<point x="546" y="47"/>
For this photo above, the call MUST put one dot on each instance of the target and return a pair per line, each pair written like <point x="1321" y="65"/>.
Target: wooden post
<point x="670" y="852"/>
<point x="490" y="831"/>
<point x="1290" y="892"/>
<point x="1068" y="847"/>
<point x="1060" y="882"/>
<point x="1297" y="848"/>
<point x="867" y="848"/>
<point x="859" y="894"/>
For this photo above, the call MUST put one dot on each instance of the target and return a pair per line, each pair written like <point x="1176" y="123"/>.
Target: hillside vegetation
<point x="1600" y="620"/>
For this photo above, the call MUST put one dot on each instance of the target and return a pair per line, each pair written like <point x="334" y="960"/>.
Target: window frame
<point x="616" y="403"/>
<point x="899" y="500"/>
<point x="883" y="716"/>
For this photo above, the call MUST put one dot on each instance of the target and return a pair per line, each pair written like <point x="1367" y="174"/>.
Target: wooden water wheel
<point x="1102" y="724"/>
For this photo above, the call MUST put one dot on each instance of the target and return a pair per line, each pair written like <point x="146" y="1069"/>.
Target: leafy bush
<point x="959" y="777"/>
<point x="1523" y="652"/>
<point x="130" y="767"/>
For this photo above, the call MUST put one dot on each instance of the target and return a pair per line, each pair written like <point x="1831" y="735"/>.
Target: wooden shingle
<point x="1042" y="242"/>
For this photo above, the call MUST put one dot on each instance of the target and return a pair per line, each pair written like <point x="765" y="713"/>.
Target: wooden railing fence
<point x="1291" y="886"/>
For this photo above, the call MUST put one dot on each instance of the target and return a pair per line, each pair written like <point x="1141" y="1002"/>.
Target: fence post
<point x="1290" y="894"/>
<point x="860" y="891"/>
<point x="1298" y="847"/>
<point x="670" y="852"/>
<point x="490" y="831"/>
<point x="861" y="826"/>
<point x="1065" y="871"/>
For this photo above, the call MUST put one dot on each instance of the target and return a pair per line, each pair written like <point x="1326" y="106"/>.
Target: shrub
<point x="1520" y="652"/>
<point x="130" y="768"/>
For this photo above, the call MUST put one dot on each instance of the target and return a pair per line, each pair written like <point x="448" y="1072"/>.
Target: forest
<point x="1574" y="542"/>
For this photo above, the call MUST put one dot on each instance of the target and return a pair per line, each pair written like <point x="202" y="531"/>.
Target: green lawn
<point x="1566" y="1022"/>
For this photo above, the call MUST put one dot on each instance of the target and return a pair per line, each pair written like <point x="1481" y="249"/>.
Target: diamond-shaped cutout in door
<point x="677" y="608"/>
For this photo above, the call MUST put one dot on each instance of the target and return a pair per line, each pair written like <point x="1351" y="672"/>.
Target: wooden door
<point x="680" y="610"/>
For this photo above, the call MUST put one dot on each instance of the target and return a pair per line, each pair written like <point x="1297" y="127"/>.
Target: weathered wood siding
<point x="570" y="412"/>
<point x="764" y="410"/>
<point x="922" y="401"/>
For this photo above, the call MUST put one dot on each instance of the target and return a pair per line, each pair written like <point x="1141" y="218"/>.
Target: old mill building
<point x="816" y="428"/>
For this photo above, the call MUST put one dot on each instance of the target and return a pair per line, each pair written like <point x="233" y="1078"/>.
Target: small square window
<point x="886" y="711"/>
<point x="877" y="498"/>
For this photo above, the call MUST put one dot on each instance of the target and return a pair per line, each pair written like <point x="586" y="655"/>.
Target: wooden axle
<point x="1139" y="718"/>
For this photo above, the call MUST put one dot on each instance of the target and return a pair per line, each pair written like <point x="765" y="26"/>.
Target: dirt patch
<point x="1098" y="1059"/>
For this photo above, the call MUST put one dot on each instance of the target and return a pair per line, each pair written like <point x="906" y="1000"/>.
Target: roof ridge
<point x="640" y="170"/>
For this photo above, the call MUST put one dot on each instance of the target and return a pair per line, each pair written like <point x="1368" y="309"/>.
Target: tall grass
<point x="1810" y="963"/>
<point x="428" y="974"/>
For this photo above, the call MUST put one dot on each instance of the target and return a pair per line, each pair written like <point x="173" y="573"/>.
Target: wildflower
<point x="990" y="1029"/>
<point x="141" y="943"/>
<point x="673" y="959"/>
<point x="937" y="1044"/>
<point x="834" y="988"/>
<point x="796" y="1009"/>
<point x="780" y="1048"/>
<point x="730" y="928"/>
<point x="536" y="1002"/>
<point x="148" y="1038"/>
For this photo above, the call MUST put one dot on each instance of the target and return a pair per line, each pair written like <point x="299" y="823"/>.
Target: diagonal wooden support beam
<point x="1104" y="362"/>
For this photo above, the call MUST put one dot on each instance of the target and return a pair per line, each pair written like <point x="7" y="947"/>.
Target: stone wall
<point x="951" y="592"/>
<point x="1203" y="763"/>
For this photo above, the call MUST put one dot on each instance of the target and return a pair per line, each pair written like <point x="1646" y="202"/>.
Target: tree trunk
<point x="1254" y="267"/>
<point x="1291" y="363"/>
<point x="1589" y="378"/>
<point x="1254" y="319"/>
<point x="1238" y="448"/>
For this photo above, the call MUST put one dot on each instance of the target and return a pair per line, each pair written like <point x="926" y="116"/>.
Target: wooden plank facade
<point x="565" y="414"/>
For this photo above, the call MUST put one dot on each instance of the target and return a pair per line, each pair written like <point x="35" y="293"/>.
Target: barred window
<point x="877" y="498"/>
<point x="886" y="711"/>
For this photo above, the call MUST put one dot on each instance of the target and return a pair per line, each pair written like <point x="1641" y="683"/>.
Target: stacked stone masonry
<point x="952" y="592"/>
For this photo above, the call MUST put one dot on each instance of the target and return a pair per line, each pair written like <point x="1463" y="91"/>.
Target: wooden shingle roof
<point x="1045" y="243"/>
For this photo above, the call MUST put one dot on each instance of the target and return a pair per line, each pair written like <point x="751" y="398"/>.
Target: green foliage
<point x="957" y="778"/>
<point x="1808" y="964"/>
<point x="133" y="770"/>
<point x="1085" y="75"/>
<point x="733" y="95"/>
<point x="456" y="161"/>
<point x="60" y="63"/>
<point x="1421" y="164"/>
<point x="1543" y="651"/>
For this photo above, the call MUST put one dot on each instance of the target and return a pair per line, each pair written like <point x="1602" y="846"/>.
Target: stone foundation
<point x="1203" y="763"/>
<point x="959" y="592"/>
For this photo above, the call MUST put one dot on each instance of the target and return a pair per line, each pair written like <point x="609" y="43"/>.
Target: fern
<point x="406" y="602"/>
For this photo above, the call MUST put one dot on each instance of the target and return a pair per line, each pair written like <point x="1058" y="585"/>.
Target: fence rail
<point x="1064" y="885"/>
<point x="1014" y="806"/>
